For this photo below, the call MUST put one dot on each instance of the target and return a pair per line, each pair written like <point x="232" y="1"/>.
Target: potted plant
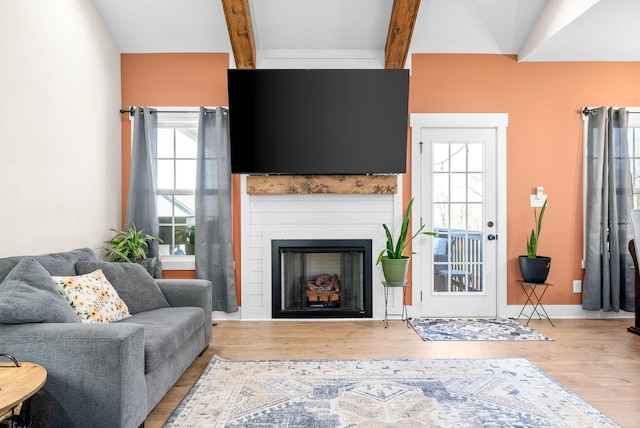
<point x="131" y="246"/>
<point x="535" y="268"/>
<point x="394" y="262"/>
<point x="191" y="240"/>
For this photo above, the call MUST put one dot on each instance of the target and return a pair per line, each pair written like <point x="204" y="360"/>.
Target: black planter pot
<point x="535" y="270"/>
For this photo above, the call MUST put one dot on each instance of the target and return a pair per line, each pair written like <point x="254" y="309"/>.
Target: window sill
<point x="178" y="262"/>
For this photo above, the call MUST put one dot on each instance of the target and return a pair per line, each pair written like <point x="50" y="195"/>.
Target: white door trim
<point x="499" y="122"/>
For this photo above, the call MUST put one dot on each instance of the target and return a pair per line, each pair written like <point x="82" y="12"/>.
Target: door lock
<point x="492" y="237"/>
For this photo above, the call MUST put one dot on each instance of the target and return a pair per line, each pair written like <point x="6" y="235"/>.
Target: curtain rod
<point x="585" y="111"/>
<point x="208" y="110"/>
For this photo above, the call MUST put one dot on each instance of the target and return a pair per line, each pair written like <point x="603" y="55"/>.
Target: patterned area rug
<point x="381" y="393"/>
<point x="474" y="329"/>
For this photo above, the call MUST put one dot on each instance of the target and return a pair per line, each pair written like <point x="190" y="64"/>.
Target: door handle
<point x="492" y="237"/>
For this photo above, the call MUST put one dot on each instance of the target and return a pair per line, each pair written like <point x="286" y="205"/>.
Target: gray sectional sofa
<point x="100" y="374"/>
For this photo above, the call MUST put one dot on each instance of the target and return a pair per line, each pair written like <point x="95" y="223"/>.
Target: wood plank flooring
<point x="597" y="359"/>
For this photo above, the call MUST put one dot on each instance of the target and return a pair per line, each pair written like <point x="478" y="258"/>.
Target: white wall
<point x="59" y="127"/>
<point x="315" y="216"/>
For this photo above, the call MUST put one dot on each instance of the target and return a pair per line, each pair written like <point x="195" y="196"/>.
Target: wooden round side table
<point x="19" y="383"/>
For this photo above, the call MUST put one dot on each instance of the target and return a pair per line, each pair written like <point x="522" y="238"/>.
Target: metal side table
<point x="405" y="314"/>
<point x="534" y="299"/>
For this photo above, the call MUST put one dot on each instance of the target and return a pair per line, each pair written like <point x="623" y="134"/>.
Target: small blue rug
<point x="474" y="329"/>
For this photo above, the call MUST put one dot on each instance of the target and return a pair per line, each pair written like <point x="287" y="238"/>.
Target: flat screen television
<point x="318" y="122"/>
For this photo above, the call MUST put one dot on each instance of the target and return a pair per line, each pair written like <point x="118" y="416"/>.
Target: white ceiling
<point x="535" y="30"/>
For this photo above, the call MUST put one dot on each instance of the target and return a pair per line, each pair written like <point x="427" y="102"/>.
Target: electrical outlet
<point x="577" y="286"/>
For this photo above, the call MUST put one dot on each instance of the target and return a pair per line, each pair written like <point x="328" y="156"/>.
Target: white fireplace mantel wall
<point x="309" y="216"/>
<point x="316" y="216"/>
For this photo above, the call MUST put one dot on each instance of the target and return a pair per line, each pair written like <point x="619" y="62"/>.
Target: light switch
<point x="538" y="199"/>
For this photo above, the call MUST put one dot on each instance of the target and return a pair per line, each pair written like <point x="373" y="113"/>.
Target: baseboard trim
<point x="554" y="311"/>
<point x="570" y="312"/>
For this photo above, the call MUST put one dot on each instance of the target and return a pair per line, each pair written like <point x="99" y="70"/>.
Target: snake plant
<point x="532" y="240"/>
<point x="395" y="250"/>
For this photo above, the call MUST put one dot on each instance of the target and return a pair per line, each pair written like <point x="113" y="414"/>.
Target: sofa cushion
<point x="132" y="282"/>
<point x="92" y="297"/>
<point x="165" y="331"/>
<point x="29" y="295"/>
<point x="55" y="263"/>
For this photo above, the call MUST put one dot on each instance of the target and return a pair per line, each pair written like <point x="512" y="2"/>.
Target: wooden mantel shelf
<point x="313" y="184"/>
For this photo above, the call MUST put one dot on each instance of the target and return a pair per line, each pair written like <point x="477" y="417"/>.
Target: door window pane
<point x="457" y="217"/>
<point x="458" y="188"/>
<point x="440" y="216"/>
<point x="441" y="157"/>
<point x="474" y="187"/>
<point x="476" y="158"/>
<point x="458" y="156"/>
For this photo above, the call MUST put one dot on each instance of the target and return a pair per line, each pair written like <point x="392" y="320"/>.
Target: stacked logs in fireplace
<point x="323" y="291"/>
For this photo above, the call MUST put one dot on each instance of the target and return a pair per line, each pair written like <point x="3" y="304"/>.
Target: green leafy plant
<point x="130" y="245"/>
<point x="186" y="236"/>
<point x="191" y="235"/>
<point x="395" y="250"/>
<point x="533" y="239"/>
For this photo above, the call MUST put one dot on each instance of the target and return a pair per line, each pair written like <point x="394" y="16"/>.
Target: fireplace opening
<point x="321" y="278"/>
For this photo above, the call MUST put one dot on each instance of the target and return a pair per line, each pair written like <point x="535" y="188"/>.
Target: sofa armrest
<point x="190" y="292"/>
<point x="95" y="372"/>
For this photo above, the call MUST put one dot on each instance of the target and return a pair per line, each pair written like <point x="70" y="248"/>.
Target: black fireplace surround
<point x="321" y="278"/>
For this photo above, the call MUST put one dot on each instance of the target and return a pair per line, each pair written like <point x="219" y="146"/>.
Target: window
<point x="176" y="181"/>
<point x="634" y="154"/>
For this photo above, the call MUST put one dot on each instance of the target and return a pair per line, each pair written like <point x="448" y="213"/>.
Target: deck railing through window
<point x="459" y="262"/>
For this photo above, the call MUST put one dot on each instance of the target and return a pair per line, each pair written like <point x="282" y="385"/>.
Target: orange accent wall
<point x="544" y="140"/>
<point x="174" y="80"/>
<point x="544" y="137"/>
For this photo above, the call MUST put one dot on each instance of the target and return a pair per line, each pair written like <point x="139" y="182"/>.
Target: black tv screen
<point x="317" y="122"/>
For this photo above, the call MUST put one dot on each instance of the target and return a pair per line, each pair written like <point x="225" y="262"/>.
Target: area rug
<point x="474" y="329"/>
<point x="381" y="393"/>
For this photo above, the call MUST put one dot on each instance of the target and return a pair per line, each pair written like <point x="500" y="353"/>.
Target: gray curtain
<point x="609" y="276"/>
<point x="141" y="200"/>
<point x="214" y="250"/>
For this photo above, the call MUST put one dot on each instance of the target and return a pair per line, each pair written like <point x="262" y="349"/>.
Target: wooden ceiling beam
<point x="403" y="19"/>
<point x="238" y="17"/>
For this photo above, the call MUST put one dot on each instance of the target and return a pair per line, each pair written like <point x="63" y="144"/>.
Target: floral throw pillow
<point x="92" y="297"/>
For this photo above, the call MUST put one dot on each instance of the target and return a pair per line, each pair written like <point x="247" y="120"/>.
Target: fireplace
<point x="321" y="278"/>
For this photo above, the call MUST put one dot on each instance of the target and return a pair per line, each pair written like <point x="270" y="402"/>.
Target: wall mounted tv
<point x="318" y="122"/>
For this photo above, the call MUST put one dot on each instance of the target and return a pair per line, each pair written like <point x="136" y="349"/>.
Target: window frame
<point x="634" y="122"/>
<point x="172" y="117"/>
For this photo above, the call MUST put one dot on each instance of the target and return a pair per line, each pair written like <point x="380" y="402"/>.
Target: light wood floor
<point x="596" y="359"/>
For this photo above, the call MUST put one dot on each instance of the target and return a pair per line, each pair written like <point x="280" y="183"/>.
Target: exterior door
<point x="457" y="180"/>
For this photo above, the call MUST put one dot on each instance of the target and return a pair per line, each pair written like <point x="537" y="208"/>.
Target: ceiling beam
<point x="403" y="19"/>
<point x="238" y="17"/>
